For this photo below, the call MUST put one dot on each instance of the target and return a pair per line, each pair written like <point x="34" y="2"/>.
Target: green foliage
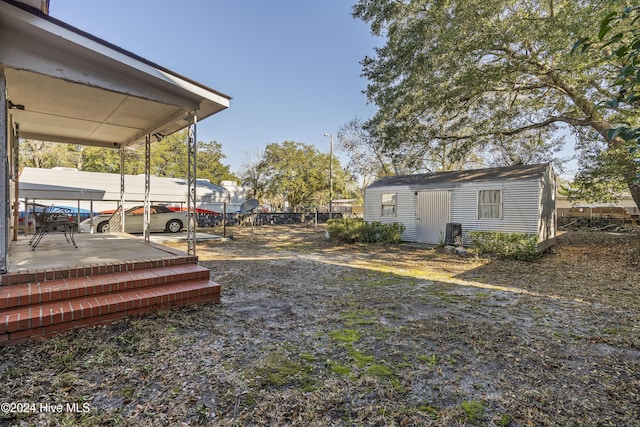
<point x="618" y="42"/>
<point x="168" y="158"/>
<point x="624" y="45"/>
<point x="600" y="178"/>
<point x="339" y="369"/>
<point x="497" y="77"/>
<point x="458" y="76"/>
<point x="520" y="246"/>
<point x="354" y="230"/>
<point x="361" y="360"/>
<point x="296" y="173"/>
<point x="169" y="155"/>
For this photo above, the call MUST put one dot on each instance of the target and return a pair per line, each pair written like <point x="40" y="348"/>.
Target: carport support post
<point x="121" y="189"/>
<point x="191" y="184"/>
<point x="16" y="178"/>
<point x="147" y="186"/>
<point x="4" y="180"/>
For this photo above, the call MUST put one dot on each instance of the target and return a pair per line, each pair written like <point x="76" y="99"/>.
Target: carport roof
<point x="71" y="184"/>
<point x="77" y="88"/>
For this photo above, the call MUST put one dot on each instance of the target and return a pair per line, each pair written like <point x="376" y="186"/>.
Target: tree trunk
<point x="634" y="189"/>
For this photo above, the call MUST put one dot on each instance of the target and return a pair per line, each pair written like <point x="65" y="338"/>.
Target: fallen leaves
<point x="310" y="333"/>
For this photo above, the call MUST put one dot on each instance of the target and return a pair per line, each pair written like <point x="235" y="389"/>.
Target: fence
<point x="263" y="218"/>
<point x="597" y="218"/>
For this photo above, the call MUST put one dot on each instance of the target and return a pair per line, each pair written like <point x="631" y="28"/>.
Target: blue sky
<point x="291" y="66"/>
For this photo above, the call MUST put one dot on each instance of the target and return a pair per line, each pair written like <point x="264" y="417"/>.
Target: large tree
<point x="367" y="159"/>
<point x="480" y="72"/>
<point x="370" y="158"/>
<point x="299" y="174"/>
<point x="602" y="176"/>
<point x="169" y="159"/>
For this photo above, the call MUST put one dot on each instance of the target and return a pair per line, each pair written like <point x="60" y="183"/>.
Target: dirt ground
<point x="311" y="333"/>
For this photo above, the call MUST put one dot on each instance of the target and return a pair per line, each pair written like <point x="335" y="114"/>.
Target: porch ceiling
<point x="69" y="86"/>
<point x="62" y="111"/>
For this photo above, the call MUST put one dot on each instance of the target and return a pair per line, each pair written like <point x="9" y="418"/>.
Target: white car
<point x="162" y="219"/>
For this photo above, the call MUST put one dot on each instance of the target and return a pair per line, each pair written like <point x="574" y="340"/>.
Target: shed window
<point x="388" y="204"/>
<point x="489" y="204"/>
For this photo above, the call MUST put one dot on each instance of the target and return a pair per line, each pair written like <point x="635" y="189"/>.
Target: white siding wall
<point x="405" y="209"/>
<point x="520" y="207"/>
<point x="520" y="202"/>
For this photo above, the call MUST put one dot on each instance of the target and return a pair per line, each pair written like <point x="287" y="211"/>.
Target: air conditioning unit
<point x="453" y="235"/>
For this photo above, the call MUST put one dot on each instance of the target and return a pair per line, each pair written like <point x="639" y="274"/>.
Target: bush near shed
<point x="356" y="230"/>
<point x="519" y="246"/>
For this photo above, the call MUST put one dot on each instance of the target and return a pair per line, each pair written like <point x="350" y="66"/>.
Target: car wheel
<point x="103" y="227"/>
<point x="174" y="226"/>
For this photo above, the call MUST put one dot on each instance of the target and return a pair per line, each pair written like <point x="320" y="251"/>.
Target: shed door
<point x="432" y="215"/>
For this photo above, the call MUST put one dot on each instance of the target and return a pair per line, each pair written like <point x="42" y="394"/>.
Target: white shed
<point x="509" y="199"/>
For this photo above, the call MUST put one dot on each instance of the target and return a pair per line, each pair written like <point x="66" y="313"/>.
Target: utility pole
<point x="330" y="175"/>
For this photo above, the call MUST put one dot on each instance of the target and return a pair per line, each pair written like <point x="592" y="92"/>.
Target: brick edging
<point x="31" y="276"/>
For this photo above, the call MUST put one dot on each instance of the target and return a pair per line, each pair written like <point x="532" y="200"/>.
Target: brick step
<point x="46" y="319"/>
<point x="26" y="294"/>
<point x="33" y="276"/>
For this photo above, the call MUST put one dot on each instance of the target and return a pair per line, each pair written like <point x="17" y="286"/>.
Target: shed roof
<point x="509" y="173"/>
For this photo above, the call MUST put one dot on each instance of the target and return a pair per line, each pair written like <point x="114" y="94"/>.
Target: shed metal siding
<point x="519" y="207"/>
<point x="405" y="209"/>
<point x="520" y="204"/>
<point x="528" y="203"/>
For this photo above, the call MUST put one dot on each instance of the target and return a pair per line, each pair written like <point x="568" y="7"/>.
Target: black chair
<point x="52" y="219"/>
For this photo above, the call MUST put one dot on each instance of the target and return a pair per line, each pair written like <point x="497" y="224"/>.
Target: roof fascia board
<point x="59" y="29"/>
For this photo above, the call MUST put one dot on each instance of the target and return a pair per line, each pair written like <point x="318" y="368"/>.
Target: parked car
<point x="162" y="219"/>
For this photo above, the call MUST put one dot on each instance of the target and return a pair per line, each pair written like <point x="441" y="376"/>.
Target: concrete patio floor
<point x="54" y="251"/>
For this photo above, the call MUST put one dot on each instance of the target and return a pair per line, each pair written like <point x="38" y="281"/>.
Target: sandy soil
<point x="311" y="333"/>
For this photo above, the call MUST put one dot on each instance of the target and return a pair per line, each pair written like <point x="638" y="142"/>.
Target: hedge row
<point x="354" y="230"/>
<point x="520" y="246"/>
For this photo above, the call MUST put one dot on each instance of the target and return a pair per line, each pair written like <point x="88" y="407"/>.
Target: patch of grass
<point x="65" y="381"/>
<point x="14" y="372"/>
<point x="431" y="360"/>
<point x="503" y="420"/>
<point x="473" y="410"/>
<point x="431" y="410"/>
<point x="66" y="362"/>
<point x="361" y="360"/>
<point x="339" y="369"/>
<point x="280" y="370"/>
<point x="128" y="393"/>
<point x="307" y="357"/>
<point x="381" y="279"/>
<point x="379" y="371"/>
<point x="345" y="335"/>
<point x="359" y="317"/>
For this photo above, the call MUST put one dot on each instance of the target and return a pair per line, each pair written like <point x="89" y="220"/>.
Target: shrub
<point x="353" y="230"/>
<point x="520" y="246"/>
